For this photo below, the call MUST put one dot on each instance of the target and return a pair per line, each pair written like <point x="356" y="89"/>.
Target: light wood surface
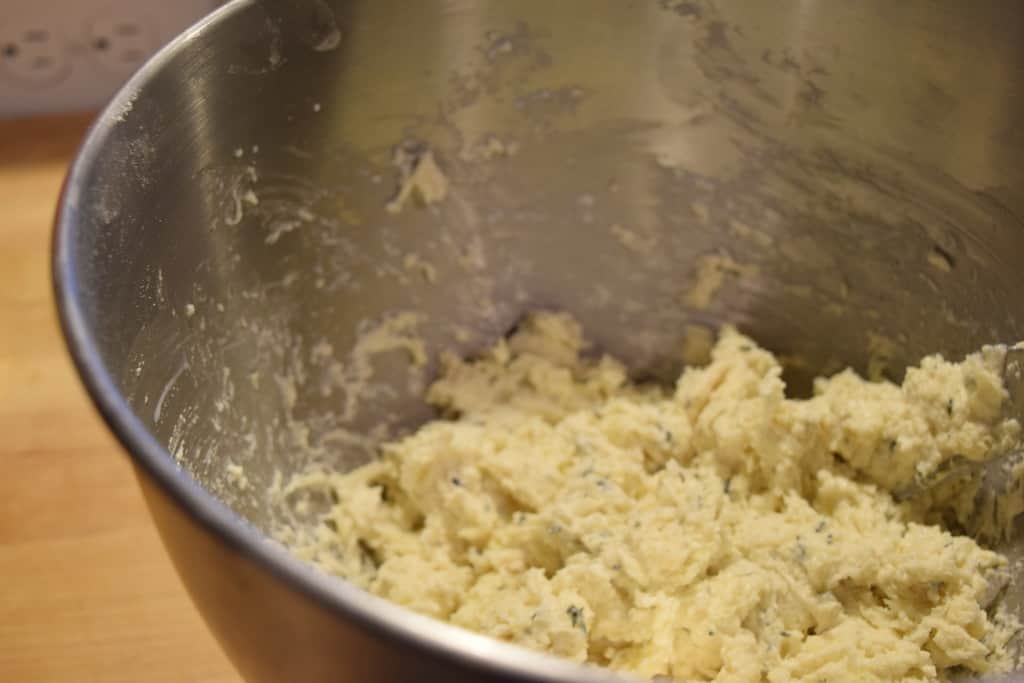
<point x="87" y="592"/>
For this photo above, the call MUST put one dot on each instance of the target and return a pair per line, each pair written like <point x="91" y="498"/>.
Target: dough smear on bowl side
<point x="715" y="532"/>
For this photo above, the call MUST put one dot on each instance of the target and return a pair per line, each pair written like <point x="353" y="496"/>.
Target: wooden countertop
<point x="88" y="592"/>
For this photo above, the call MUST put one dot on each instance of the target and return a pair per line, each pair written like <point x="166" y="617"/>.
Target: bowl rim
<point x="373" y="614"/>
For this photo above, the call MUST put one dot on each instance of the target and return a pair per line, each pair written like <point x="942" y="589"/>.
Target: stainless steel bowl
<point x="222" y="239"/>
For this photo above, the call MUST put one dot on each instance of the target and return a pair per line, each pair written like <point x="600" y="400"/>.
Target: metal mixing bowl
<point x="222" y="240"/>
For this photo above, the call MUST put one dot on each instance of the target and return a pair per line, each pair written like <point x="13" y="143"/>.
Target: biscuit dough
<point x="717" y="532"/>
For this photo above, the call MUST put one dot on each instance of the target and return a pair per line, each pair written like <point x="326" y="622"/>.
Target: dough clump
<point x="715" y="532"/>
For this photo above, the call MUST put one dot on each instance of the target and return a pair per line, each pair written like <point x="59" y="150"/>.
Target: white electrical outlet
<point x="120" y="42"/>
<point x="63" y="55"/>
<point x="33" y="57"/>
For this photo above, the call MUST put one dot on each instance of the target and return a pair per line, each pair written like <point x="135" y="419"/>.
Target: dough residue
<point x="414" y="263"/>
<point x="713" y="270"/>
<point x="717" y="531"/>
<point x="634" y="241"/>
<point x="237" y="477"/>
<point x="420" y="178"/>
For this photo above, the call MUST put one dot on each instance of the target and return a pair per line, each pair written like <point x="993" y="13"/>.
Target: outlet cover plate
<point x="72" y="55"/>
